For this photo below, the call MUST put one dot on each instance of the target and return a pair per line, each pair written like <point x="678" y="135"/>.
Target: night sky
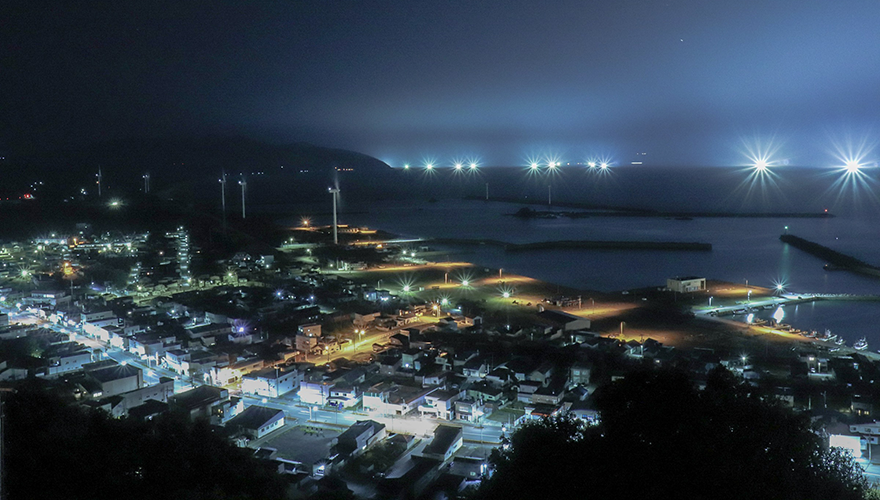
<point x="687" y="82"/>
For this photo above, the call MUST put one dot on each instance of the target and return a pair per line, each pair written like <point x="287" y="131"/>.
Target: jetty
<point x="835" y="260"/>
<point x="582" y="245"/>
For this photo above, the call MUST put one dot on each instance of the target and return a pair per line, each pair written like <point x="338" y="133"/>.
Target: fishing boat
<point x="861" y="344"/>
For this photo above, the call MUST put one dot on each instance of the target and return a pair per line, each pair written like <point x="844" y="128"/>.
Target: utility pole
<point x="487" y="191"/>
<point x="99" y="182"/>
<point x="334" y="192"/>
<point x="548" y="195"/>
<point x="243" y="184"/>
<point x="147" y="183"/>
<point x="223" y="198"/>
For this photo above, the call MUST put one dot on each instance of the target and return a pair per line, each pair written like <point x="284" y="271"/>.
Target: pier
<point x="835" y="259"/>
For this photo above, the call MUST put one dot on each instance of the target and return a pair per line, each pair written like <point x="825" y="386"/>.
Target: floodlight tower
<point x="335" y="193"/>
<point x="243" y="184"/>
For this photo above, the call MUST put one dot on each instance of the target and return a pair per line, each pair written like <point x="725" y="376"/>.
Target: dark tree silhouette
<point x="58" y="450"/>
<point x="660" y="437"/>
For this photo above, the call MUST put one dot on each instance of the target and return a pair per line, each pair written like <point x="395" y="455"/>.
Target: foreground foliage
<point x="56" y="450"/>
<point x="660" y="437"/>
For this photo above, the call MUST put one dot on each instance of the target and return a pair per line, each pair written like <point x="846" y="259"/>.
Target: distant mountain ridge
<point x="123" y="161"/>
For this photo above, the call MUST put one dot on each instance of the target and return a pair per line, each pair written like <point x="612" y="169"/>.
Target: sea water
<point x="447" y="204"/>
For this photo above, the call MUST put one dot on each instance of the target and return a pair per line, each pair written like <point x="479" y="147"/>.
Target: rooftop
<point x="254" y="417"/>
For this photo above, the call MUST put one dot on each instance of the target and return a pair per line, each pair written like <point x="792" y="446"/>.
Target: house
<point x="526" y="389"/>
<point x="542" y="373"/>
<point x="205" y="401"/>
<point x="399" y="340"/>
<point x="359" y="436"/>
<point x="315" y="392"/>
<point x="114" y="380"/>
<point x="409" y="358"/>
<point x="499" y="377"/>
<point x="344" y="396"/>
<point x="550" y="394"/>
<point x="271" y="382"/>
<point x="475" y="368"/>
<point x="686" y="284"/>
<point x="65" y="358"/>
<point x="209" y="330"/>
<point x="120" y="405"/>
<point x="223" y="375"/>
<point x="390" y="364"/>
<point x="486" y="393"/>
<point x="447" y="440"/>
<point x="561" y="320"/>
<point x="256" y="421"/>
<point x="440" y="404"/>
<point x="389" y="398"/>
<point x="579" y="373"/>
<point x="10" y="373"/>
<point x="520" y="367"/>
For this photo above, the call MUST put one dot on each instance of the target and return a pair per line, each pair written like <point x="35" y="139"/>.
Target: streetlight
<point x="710" y="301"/>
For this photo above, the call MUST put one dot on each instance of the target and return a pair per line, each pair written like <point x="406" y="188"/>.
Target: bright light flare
<point x="778" y="315"/>
<point x="852" y="161"/>
<point x="466" y="279"/>
<point x="505" y="290"/>
<point x="601" y="165"/>
<point x="406" y="284"/>
<point x="779" y="287"/>
<point x="473" y="166"/>
<point x="760" y="185"/>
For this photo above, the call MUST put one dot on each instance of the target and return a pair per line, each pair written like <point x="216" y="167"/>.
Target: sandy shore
<point x="434" y="282"/>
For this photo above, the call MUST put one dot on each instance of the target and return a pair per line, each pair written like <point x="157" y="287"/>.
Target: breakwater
<point x="594" y="210"/>
<point x="582" y="245"/>
<point x="837" y="260"/>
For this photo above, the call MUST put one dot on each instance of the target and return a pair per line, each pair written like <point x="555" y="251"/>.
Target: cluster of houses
<point x="449" y="371"/>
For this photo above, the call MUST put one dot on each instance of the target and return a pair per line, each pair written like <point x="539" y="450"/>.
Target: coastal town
<point x="376" y="367"/>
